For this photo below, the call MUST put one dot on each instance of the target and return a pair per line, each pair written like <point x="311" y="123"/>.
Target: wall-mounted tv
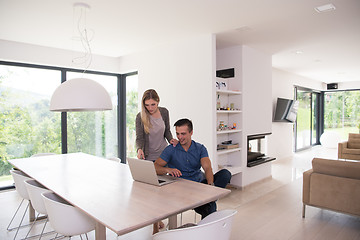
<point x="286" y="110"/>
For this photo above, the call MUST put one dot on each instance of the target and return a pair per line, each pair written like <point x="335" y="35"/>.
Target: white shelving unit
<point x="230" y="92"/>
<point x="246" y="75"/>
<point x="229" y="111"/>
<point x="228" y="131"/>
<point x="230" y="114"/>
<point x="220" y="152"/>
<point x="234" y="170"/>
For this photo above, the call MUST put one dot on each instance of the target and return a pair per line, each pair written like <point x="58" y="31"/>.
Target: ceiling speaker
<point x="332" y="86"/>
<point x="226" y="73"/>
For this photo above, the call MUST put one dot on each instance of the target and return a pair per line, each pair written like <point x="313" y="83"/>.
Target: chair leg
<point x="42" y="232"/>
<point x="12" y="219"/>
<point x="303" y="211"/>
<point x="22" y="219"/>
<point x="32" y="225"/>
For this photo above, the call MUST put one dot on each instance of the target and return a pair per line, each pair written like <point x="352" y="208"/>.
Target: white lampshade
<point x="80" y="94"/>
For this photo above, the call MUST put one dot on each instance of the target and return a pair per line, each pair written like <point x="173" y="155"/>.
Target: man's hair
<point x="183" y="122"/>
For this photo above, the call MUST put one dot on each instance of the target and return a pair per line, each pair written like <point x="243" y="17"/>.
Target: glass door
<point x="307" y="127"/>
<point x="303" y="121"/>
<point x="315" y="97"/>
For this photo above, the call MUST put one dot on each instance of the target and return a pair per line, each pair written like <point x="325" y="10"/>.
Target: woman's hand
<point x="140" y="154"/>
<point x="174" y="142"/>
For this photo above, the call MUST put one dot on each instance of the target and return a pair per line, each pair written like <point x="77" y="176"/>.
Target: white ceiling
<point x="329" y="42"/>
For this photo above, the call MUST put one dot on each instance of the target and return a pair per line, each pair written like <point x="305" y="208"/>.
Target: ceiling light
<point x="80" y="94"/>
<point x="325" y="8"/>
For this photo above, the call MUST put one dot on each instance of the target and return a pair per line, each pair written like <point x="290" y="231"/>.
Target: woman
<point x="152" y="128"/>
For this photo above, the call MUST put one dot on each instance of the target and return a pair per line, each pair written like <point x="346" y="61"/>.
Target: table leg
<point x="31" y="213"/>
<point x="173" y="222"/>
<point x="100" y="231"/>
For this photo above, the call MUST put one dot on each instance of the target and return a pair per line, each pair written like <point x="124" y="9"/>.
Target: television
<point x="286" y="110"/>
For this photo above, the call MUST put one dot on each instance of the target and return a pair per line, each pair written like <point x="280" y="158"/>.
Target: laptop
<point x="144" y="171"/>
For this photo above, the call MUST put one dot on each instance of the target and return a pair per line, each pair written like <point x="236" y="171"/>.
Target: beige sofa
<point x="351" y="148"/>
<point x="332" y="185"/>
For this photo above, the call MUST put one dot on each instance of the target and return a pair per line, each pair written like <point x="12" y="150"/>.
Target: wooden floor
<point x="270" y="209"/>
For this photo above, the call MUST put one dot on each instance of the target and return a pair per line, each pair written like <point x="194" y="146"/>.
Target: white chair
<point x="213" y="227"/>
<point x="65" y="218"/>
<point x="116" y="159"/>
<point x="19" y="178"/>
<point x="144" y="233"/>
<point x="35" y="190"/>
<point x="189" y="212"/>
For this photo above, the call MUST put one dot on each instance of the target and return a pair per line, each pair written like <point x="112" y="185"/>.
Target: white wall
<point x="348" y="85"/>
<point x="34" y="54"/>
<point x="280" y="142"/>
<point x="256" y="68"/>
<point x="257" y="114"/>
<point x="183" y="75"/>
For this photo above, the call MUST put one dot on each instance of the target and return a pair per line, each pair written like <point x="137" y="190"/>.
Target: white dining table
<point x="105" y="191"/>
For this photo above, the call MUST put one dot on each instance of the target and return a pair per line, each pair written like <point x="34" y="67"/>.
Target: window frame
<point x="121" y="113"/>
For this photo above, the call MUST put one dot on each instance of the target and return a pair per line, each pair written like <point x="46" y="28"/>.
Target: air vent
<point x="325" y="8"/>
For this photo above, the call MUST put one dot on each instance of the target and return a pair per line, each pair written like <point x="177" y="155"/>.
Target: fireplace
<point x="256" y="145"/>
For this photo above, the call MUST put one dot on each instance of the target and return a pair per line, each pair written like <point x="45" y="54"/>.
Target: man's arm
<point x="206" y="165"/>
<point x="161" y="169"/>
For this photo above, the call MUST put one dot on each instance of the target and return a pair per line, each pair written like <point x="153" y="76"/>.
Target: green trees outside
<point x="342" y="113"/>
<point x="25" y="129"/>
<point x="28" y="127"/>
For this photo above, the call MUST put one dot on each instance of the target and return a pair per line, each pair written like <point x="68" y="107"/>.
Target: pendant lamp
<point x="80" y="94"/>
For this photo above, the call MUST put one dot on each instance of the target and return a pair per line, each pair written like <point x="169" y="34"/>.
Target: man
<point x="185" y="160"/>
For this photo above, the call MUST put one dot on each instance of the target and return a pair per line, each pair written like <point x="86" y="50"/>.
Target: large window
<point x="26" y="124"/>
<point x="342" y="112"/>
<point x="28" y="127"/>
<point x="94" y="132"/>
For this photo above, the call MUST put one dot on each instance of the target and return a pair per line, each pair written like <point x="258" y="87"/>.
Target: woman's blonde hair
<point x="145" y="117"/>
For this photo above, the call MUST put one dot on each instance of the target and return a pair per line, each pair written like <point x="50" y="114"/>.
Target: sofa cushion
<point x="351" y="151"/>
<point x="337" y="168"/>
<point x="354" y="140"/>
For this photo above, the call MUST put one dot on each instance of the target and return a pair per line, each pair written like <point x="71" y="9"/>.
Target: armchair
<point x="332" y="185"/>
<point x="351" y="148"/>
